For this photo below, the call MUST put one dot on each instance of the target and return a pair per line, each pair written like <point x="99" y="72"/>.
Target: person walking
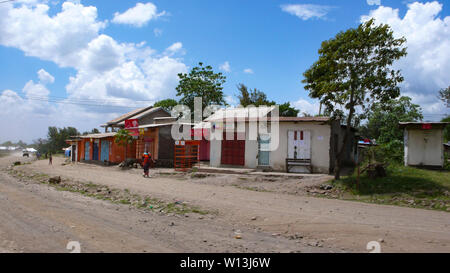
<point x="50" y="159"/>
<point x="146" y="164"/>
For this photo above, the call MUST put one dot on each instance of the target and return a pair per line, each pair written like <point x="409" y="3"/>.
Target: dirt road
<point x="337" y="224"/>
<point x="37" y="218"/>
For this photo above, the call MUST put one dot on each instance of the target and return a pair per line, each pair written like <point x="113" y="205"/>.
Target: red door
<point x="233" y="151"/>
<point x="204" y="150"/>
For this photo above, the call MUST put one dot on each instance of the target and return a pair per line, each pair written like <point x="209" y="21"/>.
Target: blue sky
<point x="276" y="40"/>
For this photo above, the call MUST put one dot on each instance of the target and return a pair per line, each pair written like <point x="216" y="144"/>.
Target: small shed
<point x="423" y="143"/>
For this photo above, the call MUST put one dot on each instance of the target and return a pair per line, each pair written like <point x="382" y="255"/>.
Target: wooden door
<point x="299" y="144"/>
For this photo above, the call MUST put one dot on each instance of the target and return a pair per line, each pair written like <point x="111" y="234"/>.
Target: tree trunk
<point x="337" y="169"/>
<point x="340" y="154"/>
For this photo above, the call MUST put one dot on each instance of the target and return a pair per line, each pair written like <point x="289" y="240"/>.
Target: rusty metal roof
<point x="128" y="115"/>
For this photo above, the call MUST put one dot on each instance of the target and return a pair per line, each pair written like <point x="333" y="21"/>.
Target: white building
<point x="305" y="144"/>
<point x="423" y="143"/>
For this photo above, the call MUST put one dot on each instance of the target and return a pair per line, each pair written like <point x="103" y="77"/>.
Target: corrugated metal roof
<point x="103" y="135"/>
<point x="162" y="125"/>
<point x="141" y="114"/>
<point x="417" y="124"/>
<point x="128" y="115"/>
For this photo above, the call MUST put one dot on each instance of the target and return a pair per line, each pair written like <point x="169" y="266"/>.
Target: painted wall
<point x="149" y="119"/>
<point x="424" y="147"/>
<point x="320" y="147"/>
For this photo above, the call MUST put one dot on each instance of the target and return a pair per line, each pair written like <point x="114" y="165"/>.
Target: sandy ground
<point x="336" y="224"/>
<point x="37" y="218"/>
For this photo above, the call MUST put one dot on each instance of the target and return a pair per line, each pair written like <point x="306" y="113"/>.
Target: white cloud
<point x="174" y="49"/>
<point x="225" y="67"/>
<point x="138" y="16"/>
<point x="249" y="71"/>
<point x="59" y="38"/>
<point x="427" y="64"/>
<point x="374" y="2"/>
<point x="306" y="11"/>
<point x="107" y="71"/>
<point x="305" y="106"/>
<point x="45" y="77"/>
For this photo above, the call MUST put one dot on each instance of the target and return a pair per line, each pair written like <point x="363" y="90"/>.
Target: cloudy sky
<point x="80" y="63"/>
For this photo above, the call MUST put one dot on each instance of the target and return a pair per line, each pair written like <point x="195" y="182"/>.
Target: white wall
<point x="424" y="147"/>
<point x="320" y="147"/>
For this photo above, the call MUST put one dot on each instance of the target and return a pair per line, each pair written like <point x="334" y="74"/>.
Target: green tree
<point x="382" y="121"/>
<point x="444" y="95"/>
<point x="253" y="97"/>
<point x="166" y="104"/>
<point x="201" y="82"/>
<point x="56" y="138"/>
<point x="123" y="138"/>
<point x="286" y="110"/>
<point x="446" y="129"/>
<point x="259" y="98"/>
<point x="353" y="71"/>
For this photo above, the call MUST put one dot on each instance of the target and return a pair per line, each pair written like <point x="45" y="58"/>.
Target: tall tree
<point x="355" y="69"/>
<point x="201" y="82"/>
<point x="166" y="104"/>
<point x="56" y="138"/>
<point x="382" y="120"/>
<point x="444" y="95"/>
<point x="253" y="97"/>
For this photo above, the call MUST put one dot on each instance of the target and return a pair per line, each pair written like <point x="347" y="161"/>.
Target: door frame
<point x="259" y="151"/>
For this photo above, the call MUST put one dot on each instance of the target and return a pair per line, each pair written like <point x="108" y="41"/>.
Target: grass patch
<point x="404" y="186"/>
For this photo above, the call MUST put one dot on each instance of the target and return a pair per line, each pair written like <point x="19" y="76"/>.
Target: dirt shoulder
<point x="39" y="218"/>
<point x="336" y="224"/>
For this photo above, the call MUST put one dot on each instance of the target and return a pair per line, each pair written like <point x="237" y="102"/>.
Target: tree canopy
<point x="201" y="82"/>
<point x="166" y="104"/>
<point x="354" y="71"/>
<point x="56" y="139"/>
<point x="382" y="121"/>
<point x="257" y="98"/>
<point x="444" y="95"/>
<point x="253" y="97"/>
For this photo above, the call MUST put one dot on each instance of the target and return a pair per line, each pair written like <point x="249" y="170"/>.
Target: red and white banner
<point x="132" y="126"/>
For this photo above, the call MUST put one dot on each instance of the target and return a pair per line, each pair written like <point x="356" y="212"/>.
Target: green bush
<point x="391" y="152"/>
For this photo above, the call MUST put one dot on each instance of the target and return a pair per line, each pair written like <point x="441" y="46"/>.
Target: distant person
<point x="146" y="164"/>
<point x="38" y="155"/>
<point x="50" y="159"/>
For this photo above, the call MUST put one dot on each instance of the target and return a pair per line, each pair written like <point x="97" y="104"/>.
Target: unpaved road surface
<point x="335" y="225"/>
<point x="37" y="218"/>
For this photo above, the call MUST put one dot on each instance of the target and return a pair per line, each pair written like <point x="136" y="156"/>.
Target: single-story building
<point x="306" y="144"/>
<point x="423" y="143"/>
<point x="155" y="126"/>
